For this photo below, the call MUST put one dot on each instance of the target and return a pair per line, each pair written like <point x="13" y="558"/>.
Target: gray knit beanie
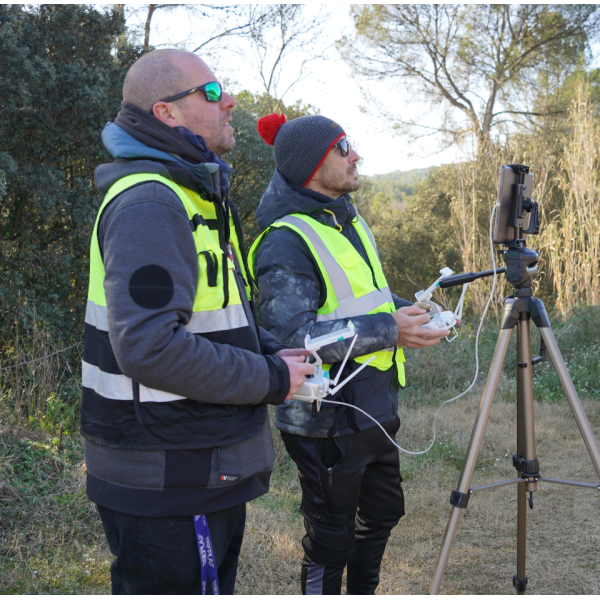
<point x="300" y="145"/>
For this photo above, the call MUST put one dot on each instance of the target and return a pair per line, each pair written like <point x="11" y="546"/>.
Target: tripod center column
<point x="526" y="454"/>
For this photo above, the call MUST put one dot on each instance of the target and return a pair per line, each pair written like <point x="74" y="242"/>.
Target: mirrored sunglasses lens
<point x="344" y="147"/>
<point x="213" y="92"/>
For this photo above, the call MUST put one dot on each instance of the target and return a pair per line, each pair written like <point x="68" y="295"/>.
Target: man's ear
<point x="168" y="113"/>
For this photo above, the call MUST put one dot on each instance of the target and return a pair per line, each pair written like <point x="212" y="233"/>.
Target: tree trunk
<point x="489" y="112"/>
<point x="16" y="221"/>
<point x="151" y="9"/>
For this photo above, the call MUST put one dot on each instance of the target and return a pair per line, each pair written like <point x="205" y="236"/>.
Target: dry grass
<point x="572" y="237"/>
<point x="51" y="539"/>
<point x="563" y="529"/>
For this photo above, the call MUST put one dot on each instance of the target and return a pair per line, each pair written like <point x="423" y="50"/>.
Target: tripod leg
<point x="567" y="385"/>
<point x="520" y="581"/>
<point x="460" y="496"/>
<point x="525" y="442"/>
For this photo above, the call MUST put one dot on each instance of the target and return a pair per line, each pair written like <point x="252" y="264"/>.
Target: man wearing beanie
<point x="176" y="373"/>
<point x="316" y="267"/>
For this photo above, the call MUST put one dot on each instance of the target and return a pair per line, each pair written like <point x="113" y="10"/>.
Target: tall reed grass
<point x="573" y="235"/>
<point x="567" y="187"/>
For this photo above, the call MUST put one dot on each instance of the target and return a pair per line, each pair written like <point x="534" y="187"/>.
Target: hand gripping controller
<point x="442" y="319"/>
<point x="318" y="385"/>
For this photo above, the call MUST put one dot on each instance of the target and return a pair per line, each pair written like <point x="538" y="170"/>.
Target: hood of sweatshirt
<point x="281" y="199"/>
<point x="141" y="143"/>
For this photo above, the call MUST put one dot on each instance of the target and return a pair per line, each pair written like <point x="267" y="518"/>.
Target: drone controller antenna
<point x="337" y="388"/>
<point x="337" y="377"/>
<point x="459" y="306"/>
<point x="425" y="296"/>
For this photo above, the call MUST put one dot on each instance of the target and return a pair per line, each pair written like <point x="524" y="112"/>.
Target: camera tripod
<point x="519" y="310"/>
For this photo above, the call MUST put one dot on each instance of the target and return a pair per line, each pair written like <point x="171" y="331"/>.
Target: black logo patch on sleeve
<point x="151" y="287"/>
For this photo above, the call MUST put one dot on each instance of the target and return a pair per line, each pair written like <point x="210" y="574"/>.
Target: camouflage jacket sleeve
<point x="291" y="291"/>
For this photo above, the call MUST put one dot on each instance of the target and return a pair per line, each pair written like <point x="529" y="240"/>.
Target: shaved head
<point x="157" y="75"/>
<point x="163" y="73"/>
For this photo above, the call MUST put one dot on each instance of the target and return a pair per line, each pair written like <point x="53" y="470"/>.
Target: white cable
<point x="476" y="361"/>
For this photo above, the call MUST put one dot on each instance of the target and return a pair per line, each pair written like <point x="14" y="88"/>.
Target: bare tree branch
<point x="238" y="20"/>
<point x="471" y="57"/>
<point x="294" y="30"/>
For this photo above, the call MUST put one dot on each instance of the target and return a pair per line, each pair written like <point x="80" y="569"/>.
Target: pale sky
<point x="331" y="87"/>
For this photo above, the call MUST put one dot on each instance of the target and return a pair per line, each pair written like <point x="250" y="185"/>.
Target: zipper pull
<point x="330" y="473"/>
<point x="231" y="255"/>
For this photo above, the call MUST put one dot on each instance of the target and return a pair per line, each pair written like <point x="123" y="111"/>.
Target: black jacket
<point x="291" y="291"/>
<point x="216" y="451"/>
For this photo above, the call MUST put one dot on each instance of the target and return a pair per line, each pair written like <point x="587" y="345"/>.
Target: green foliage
<point x="414" y="243"/>
<point x="398" y="185"/>
<point x="51" y="539"/>
<point x="59" y="416"/>
<point x="440" y="372"/>
<point x="61" y="72"/>
<point x="252" y="160"/>
<point x="577" y="337"/>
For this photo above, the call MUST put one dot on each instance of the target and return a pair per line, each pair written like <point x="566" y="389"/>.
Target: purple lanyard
<point x="208" y="567"/>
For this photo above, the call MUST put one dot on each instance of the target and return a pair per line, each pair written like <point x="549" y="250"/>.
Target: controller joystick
<point x="441" y="320"/>
<point x="318" y="385"/>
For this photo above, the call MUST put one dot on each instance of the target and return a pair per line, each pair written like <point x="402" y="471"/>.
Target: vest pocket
<point x="350" y="258"/>
<point x="187" y="468"/>
<point x="209" y="295"/>
<point x="231" y="464"/>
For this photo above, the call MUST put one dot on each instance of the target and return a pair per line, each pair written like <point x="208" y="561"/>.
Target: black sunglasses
<point x="212" y="92"/>
<point x="344" y="147"/>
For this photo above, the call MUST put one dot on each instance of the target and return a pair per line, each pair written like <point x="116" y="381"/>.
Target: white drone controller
<point x="318" y="385"/>
<point x="446" y="319"/>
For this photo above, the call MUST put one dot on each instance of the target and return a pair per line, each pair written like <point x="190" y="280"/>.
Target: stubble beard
<point x="337" y="183"/>
<point x="215" y="136"/>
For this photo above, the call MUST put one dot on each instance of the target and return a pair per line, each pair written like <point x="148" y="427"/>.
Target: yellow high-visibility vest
<point x="217" y="304"/>
<point x="350" y="290"/>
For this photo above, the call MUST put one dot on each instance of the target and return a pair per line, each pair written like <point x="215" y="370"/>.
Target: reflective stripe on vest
<point x="232" y="316"/>
<point x="348" y="304"/>
<point x="214" y="310"/>
<point x="120" y="387"/>
<point x="350" y="290"/>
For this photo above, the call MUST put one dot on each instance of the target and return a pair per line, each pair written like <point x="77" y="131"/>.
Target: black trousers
<point x="159" y="555"/>
<point x="351" y="499"/>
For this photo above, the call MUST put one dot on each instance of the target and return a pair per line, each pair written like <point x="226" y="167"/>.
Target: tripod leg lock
<point x="543" y="354"/>
<point x="520" y="586"/>
<point x="459" y="499"/>
<point x="529" y="468"/>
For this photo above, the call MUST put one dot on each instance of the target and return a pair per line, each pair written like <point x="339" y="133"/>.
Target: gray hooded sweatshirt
<point x="162" y="470"/>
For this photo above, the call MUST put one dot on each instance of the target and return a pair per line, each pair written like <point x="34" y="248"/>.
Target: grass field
<point x="51" y="539"/>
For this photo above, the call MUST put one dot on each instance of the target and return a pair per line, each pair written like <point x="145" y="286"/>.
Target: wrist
<point x="279" y="380"/>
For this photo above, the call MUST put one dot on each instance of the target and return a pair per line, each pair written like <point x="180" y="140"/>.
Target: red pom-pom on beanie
<point x="269" y="126"/>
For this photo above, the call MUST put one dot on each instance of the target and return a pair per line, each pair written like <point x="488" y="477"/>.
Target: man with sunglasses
<point x="317" y="268"/>
<point x="176" y="373"/>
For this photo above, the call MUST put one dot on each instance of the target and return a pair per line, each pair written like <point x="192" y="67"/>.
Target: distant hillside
<point x="398" y="184"/>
